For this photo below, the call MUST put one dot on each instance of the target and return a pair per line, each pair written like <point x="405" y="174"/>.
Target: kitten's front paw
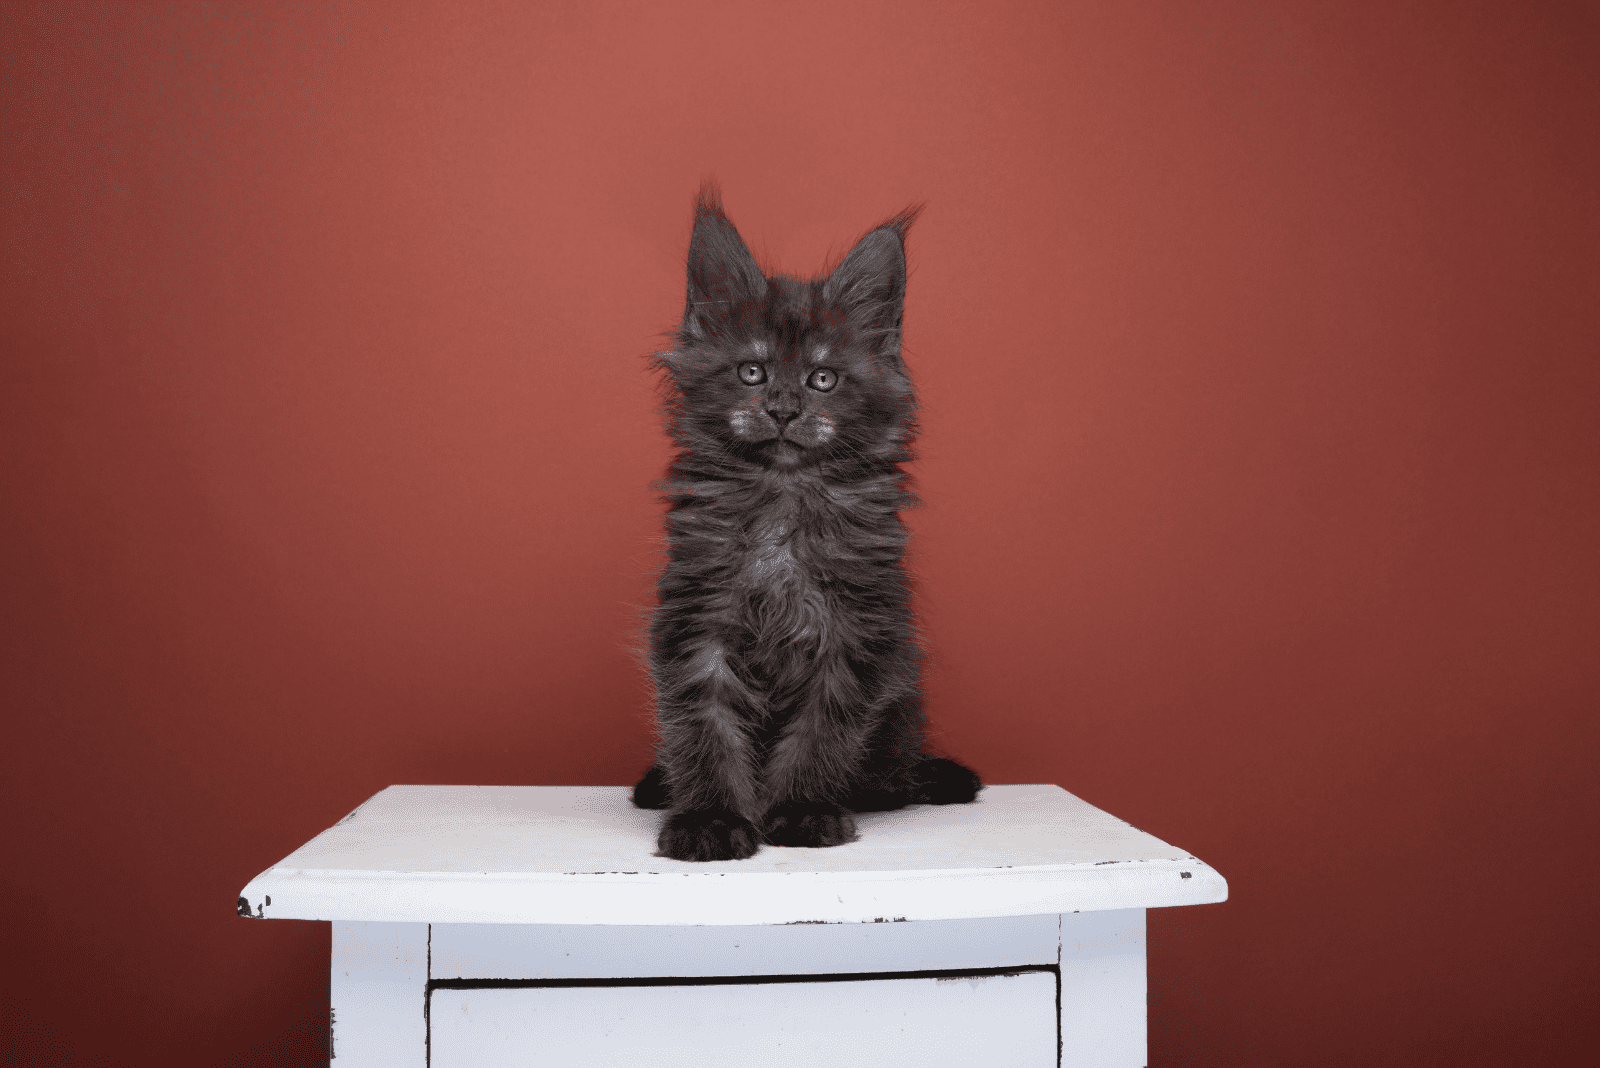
<point x="813" y="824"/>
<point x="944" y="782"/>
<point x="714" y="834"/>
<point x="652" y="791"/>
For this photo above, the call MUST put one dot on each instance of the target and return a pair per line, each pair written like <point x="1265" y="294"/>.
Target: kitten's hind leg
<point x="941" y="781"/>
<point x="652" y="791"/>
<point x="889" y="777"/>
<point x="932" y="781"/>
<point x="875" y="799"/>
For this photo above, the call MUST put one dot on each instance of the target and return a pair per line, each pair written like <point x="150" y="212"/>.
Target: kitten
<point x="785" y="661"/>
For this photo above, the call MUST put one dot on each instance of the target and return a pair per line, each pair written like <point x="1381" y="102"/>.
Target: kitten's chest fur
<point x="794" y="566"/>
<point x="776" y="550"/>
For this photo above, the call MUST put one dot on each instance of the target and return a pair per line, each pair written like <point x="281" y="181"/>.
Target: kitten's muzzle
<point x="783" y="412"/>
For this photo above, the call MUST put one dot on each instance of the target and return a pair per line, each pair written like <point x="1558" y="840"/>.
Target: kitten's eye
<point x="822" y="380"/>
<point x="752" y="374"/>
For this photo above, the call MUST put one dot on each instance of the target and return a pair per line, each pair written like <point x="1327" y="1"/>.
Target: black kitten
<point x="786" y="664"/>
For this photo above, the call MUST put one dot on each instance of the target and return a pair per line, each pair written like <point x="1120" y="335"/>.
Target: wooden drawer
<point x="1003" y="1018"/>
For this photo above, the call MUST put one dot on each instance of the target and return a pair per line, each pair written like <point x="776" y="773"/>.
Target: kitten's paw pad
<point x="810" y="824"/>
<point x="944" y="782"/>
<point x="707" y="835"/>
<point x="652" y="791"/>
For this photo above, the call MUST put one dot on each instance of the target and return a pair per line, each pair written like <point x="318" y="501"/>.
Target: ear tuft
<point x="870" y="282"/>
<point x="722" y="273"/>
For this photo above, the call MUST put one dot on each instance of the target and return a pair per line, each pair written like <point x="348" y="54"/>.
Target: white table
<point x="532" y="925"/>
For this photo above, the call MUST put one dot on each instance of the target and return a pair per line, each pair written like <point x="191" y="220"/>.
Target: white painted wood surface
<point x="1104" y="1022"/>
<point x="504" y="926"/>
<point x="622" y="995"/>
<point x="377" y="991"/>
<point x="583" y="855"/>
<point x="595" y="951"/>
<point x="891" y="1023"/>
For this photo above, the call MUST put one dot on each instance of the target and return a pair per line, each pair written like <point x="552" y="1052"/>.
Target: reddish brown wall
<point x="1258" y="346"/>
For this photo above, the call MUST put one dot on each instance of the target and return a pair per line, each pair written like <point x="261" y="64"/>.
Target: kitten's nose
<point x="782" y="410"/>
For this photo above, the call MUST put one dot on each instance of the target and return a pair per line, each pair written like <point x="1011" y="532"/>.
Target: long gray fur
<point x="784" y="653"/>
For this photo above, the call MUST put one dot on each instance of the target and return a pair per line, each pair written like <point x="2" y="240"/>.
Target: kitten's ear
<point x="721" y="270"/>
<point x="870" y="283"/>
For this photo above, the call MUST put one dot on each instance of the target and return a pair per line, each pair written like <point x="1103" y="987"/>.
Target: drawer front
<point x="517" y="951"/>
<point x="920" y="1022"/>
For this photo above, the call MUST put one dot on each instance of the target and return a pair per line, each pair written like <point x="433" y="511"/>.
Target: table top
<point x="584" y="855"/>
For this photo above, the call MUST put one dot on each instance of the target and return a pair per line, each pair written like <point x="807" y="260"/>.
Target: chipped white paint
<point x="582" y="854"/>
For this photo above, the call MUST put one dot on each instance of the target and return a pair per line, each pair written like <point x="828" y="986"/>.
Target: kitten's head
<point x="784" y="371"/>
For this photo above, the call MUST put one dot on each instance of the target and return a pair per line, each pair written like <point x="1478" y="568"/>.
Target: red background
<point x="1258" y="349"/>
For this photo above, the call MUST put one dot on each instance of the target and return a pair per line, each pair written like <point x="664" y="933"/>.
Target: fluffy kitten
<point x="785" y="660"/>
